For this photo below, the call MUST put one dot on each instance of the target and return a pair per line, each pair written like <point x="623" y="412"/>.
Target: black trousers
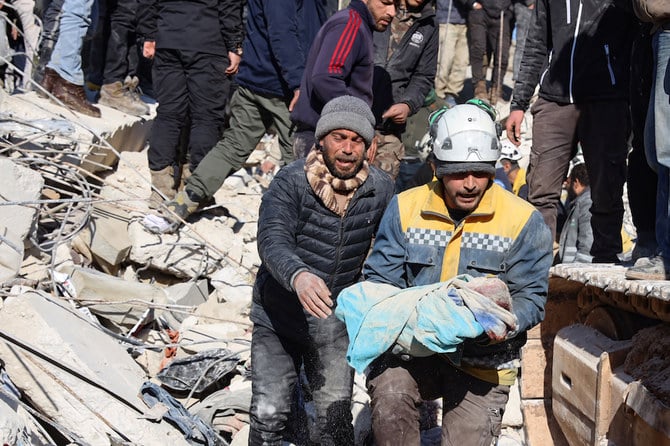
<point x="483" y="34"/>
<point x="187" y="84"/>
<point x="122" y="54"/>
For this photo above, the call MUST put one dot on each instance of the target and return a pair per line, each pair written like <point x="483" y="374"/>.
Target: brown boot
<point x="163" y="180"/>
<point x="118" y="96"/>
<point x="47" y="82"/>
<point x="70" y="94"/>
<point x="480" y="90"/>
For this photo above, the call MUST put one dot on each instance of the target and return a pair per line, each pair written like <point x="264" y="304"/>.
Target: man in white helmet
<point x="462" y="223"/>
<point x="509" y="159"/>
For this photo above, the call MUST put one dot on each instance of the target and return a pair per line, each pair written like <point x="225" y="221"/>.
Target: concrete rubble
<point x="18" y="184"/>
<point x="94" y="306"/>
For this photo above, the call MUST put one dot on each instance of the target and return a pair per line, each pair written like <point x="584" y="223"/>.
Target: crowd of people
<point x="350" y="90"/>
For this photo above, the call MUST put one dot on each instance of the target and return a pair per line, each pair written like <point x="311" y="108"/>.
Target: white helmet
<point x="509" y="151"/>
<point x="464" y="133"/>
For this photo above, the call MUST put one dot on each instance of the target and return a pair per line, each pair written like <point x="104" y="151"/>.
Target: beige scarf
<point x="335" y="193"/>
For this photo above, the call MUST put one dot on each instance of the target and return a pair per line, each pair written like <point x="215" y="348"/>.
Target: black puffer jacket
<point x="593" y="66"/>
<point x="296" y="232"/>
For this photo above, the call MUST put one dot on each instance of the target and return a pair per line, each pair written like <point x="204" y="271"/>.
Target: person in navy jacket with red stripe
<point x="340" y="62"/>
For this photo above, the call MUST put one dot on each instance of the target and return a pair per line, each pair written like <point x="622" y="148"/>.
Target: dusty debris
<point x="649" y="361"/>
<point x="120" y="302"/>
<point x="47" y="347"/>
<point x="106" y="237"/>
<point x="94" y="307"/>
<point x="18" y="184"/>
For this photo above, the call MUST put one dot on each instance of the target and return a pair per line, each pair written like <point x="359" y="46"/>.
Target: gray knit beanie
<point x="347" y="112"/>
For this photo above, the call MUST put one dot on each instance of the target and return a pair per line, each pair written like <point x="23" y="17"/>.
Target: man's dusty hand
<point x="513" y="127"/>
<point x="313" y="294"/>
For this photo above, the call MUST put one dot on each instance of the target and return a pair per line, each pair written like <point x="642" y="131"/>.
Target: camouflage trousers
<point x="390" y="150"/>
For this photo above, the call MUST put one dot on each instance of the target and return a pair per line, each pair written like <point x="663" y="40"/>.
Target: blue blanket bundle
<point x="421" y="320"/>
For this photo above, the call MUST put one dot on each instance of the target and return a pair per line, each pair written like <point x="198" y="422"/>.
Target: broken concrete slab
<point x="109" y="234"/>
<point x="130" y="184"/>
<point x="34" y="268"/>
<point x="187" y="295"/>
<point x="12" y="429"/>
<point x="92" y="136"/>
<point x="105" y="239"/>
<point x="103" y="400"/>
<point x="217" y="310"/>
<point x="201" y="337"/>
<point x="232" y="285"/>
<point x="196" y="251"/>
<point x="18" y="184"/>
<point x="18" y="427"/>
<point x="121" y="302"/>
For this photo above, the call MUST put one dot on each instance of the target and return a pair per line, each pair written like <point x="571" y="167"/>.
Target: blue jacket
<point x="278" y="36"/>
<point x="340" y="62"/>
<point x="419" y="244"/>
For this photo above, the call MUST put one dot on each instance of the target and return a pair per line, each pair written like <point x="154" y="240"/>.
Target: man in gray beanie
<point x="315" y="226"/>
<point x="347" y="112"/>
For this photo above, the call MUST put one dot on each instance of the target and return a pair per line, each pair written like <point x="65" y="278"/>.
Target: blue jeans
<point x="76" y="17"/>
<point x="657" y="137"/>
